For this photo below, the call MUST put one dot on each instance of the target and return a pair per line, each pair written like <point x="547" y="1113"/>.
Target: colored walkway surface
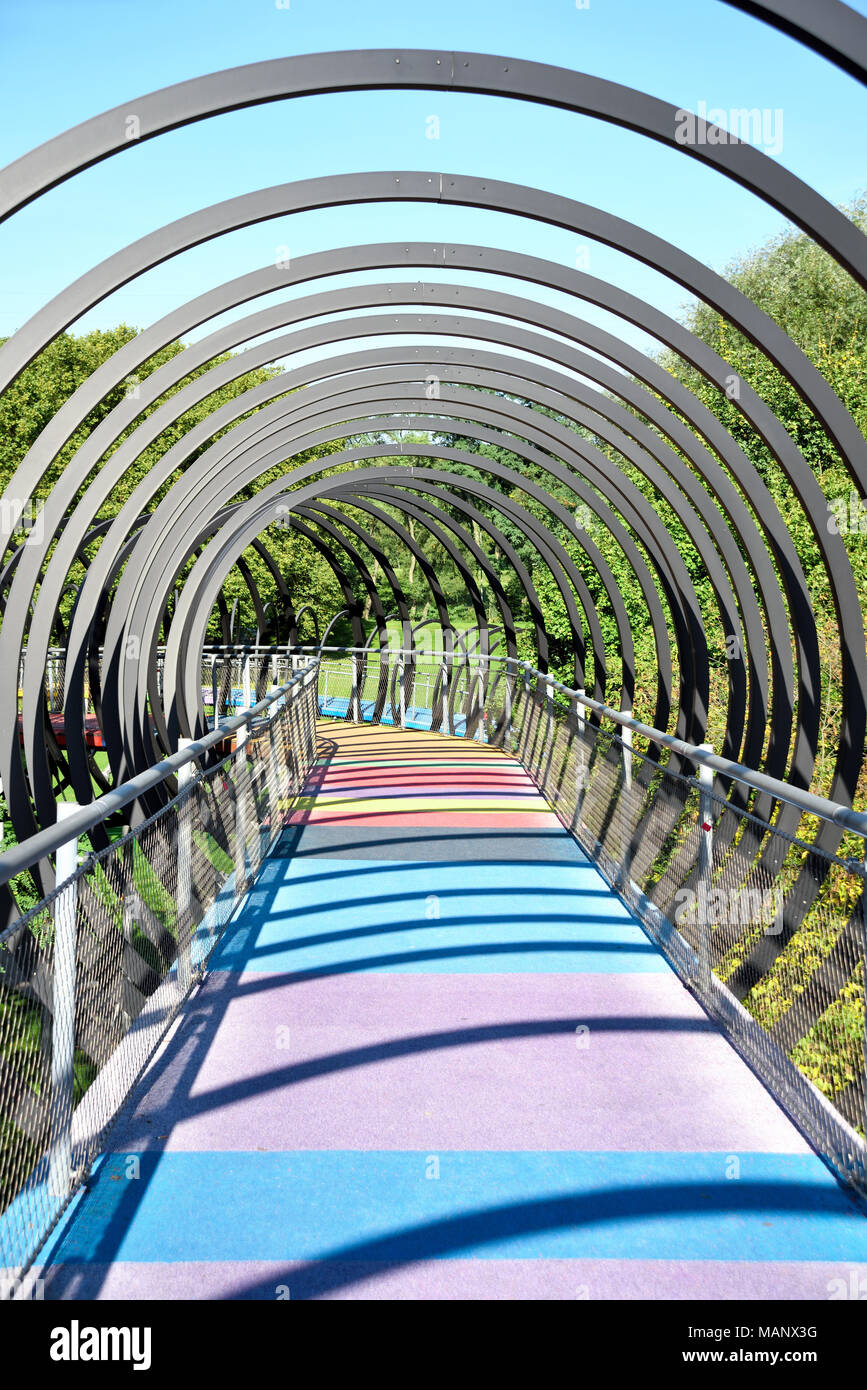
<point x="436" y="1057"/>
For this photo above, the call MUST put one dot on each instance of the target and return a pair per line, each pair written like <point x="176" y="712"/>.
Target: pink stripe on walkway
<point x="461" y="1280"/>
<point x="477" y="820"/>
<point x="450" y="1062"/>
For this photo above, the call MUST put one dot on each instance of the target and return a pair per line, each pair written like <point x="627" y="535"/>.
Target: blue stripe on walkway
<point x="331" y="914"/>
<point x="284" y="1206"/>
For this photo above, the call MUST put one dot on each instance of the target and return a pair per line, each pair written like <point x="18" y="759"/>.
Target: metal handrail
<point x="49" y="840"/>
<point x="805" y="801"/>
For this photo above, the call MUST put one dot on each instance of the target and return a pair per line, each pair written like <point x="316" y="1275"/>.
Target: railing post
<point x="625" y="872"/>
<point x="445" y="690"/>
<point x="63" y="1013"/>
<point x="525" y="676"/>
<point x="705" y="870"/>
<point x="293" y="734"/>
<point x="273" y="772"/>
<point x="185" y="872"/>
<point x="579" y="713"/>
<point x="253" y="777"/>
<point x="312" y="678"/>
<point x="401" y="692"/>
<point x="582" y="760"/>
<point x="215" y="690"/>
<point x="354" y="694"/>
<point x="480" y="703"/>
<point x="507" y="710"/>
<point x="247" y="693"/>
<point x="626" y="738"/>
<point x="549" y="729"/>
<point x="241" y="816"/>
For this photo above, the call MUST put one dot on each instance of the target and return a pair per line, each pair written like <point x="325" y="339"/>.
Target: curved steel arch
<point x="554" y="556"/>
<point x="277" y="576"/>
<point x="427" y="569"/>
<point x="232" y="545"/>
<point x="833" y="29"/>
<point x="154" y="569"/>
<point x="262" y="506"/>
<point x="732" y="594"/>
<point x="363" y="504"/>
<point x="673" y="463"/>
<point x="340" y="189"/>
<point x="437" y="521"/>
<point x="574" y="481"/>
<point x="576" y="92"/>
<point x="316" y="467"/>
<point x="332" y="623"/>
<point x="482" y="521"/>
<point x="486" y="74"/>
<point x="719" y="482"/>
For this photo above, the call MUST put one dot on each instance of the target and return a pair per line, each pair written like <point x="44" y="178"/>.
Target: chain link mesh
<point x="381" y="686"/>
<point x="92" y="976"/>
<point x="232" y="680"/>
<point x="768" y="930"/>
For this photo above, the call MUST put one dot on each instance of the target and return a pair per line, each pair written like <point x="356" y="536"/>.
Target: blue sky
<point x="64" y="60"/>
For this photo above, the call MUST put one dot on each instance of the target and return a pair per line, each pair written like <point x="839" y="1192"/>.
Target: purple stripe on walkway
<point x="467" y="1279"/>
<point x="440" y="1062"/>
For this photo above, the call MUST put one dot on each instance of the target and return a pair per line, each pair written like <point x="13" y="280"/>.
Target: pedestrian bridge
<point x="432" y="735"/>
<point x="435" y="1056"/>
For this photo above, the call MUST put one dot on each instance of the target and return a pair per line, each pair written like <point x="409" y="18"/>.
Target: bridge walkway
<point x="436" y="1057"/>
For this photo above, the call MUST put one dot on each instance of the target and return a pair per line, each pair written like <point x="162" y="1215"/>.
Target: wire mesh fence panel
<point x="447" y="693"/>
<point x="92" y="976"/>
<point x="234" y="679"/>
<point x="53" y="679"/>
<point x="337" y="689"/>
<point x="767" y="929"/>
